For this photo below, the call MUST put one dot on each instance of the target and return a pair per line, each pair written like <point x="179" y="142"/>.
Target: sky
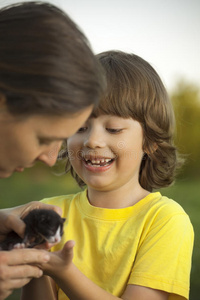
<point x="166" y="33"/>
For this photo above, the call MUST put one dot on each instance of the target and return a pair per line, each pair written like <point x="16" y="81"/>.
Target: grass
<point x="39" y="183"/>
<point x="31" y="186"/>
<point x="187" y="193"/>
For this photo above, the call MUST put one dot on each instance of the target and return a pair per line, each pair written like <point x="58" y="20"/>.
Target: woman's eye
<point x="44" y="141"/>
<point x="114" y="130"/>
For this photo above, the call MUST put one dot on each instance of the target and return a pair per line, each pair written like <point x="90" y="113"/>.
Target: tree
<point x="186" y="103"/>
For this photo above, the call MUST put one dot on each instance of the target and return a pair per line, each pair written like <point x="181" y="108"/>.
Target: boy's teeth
<point x="98" y="161"/>
<point x="107" y="159"/>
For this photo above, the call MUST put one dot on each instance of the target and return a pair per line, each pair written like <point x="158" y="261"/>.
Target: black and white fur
<point x="42" y="225"/>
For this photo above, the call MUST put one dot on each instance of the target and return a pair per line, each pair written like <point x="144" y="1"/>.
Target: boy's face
<point x="106" y="152"/>
<point x="36" y="138"/>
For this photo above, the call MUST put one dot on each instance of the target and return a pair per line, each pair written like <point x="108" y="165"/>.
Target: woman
<point x="49" y="82"/>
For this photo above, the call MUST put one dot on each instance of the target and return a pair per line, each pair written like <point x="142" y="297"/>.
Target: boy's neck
<point x="118" y="198"/>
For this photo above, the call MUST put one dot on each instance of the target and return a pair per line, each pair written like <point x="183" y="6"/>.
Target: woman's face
<point x="36" y="138"/>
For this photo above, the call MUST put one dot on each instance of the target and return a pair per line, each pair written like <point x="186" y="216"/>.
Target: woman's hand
<point x="11" y="218"/>
<point x="18" y="267"/>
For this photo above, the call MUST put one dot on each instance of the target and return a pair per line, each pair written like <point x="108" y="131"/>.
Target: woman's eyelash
<point x="44" y="141"/>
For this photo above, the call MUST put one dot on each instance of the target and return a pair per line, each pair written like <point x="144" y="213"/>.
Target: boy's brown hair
<point x="134" y="90"/>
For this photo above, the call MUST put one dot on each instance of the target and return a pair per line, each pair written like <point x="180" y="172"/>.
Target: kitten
<point x="42" y="225"/>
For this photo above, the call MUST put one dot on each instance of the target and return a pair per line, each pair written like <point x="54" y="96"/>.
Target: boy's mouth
<point x="98" y="162"/>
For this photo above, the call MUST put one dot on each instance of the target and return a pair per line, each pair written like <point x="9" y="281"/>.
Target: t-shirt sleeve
<point x="163" y="260"/>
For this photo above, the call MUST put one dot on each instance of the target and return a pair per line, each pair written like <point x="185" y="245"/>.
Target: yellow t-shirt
<point x="148" y="244"/>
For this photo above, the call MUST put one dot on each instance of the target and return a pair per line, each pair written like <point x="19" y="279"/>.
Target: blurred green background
<point x="41" y="181"/>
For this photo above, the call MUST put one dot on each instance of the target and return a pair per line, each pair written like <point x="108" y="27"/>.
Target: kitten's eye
<point x="51" y="232"/>
<point x="114" y="130"/>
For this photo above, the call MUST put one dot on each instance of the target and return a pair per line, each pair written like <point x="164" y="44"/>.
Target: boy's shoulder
<point x="163" y="208"/>
<point x="167" y="204"/>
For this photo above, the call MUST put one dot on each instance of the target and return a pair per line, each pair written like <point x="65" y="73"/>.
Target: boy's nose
<point x="95" y="140"/>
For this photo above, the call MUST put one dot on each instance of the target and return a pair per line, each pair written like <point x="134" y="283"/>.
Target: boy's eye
<point x="114" y="130"/>
<point x="82" y="129"/>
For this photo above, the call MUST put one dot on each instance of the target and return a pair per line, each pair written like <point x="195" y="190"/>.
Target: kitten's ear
<point x="63" y="219"/>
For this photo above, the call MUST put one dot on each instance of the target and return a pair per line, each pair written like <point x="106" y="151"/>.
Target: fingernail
<point x="40" y="273"/>
<point x="46" y="258"/>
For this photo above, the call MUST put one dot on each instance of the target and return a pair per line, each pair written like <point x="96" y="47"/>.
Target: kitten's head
<point x="45" y="223"/>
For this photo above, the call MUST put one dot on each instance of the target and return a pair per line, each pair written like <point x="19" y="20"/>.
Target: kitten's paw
<point x="19" y="246"/>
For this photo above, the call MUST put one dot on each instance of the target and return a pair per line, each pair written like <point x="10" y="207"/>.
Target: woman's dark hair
<point x="134" y="90"/>
<point x="46" y="64"/>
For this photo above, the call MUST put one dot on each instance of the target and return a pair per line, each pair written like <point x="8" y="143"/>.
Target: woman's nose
<point x="49" y="156"/>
